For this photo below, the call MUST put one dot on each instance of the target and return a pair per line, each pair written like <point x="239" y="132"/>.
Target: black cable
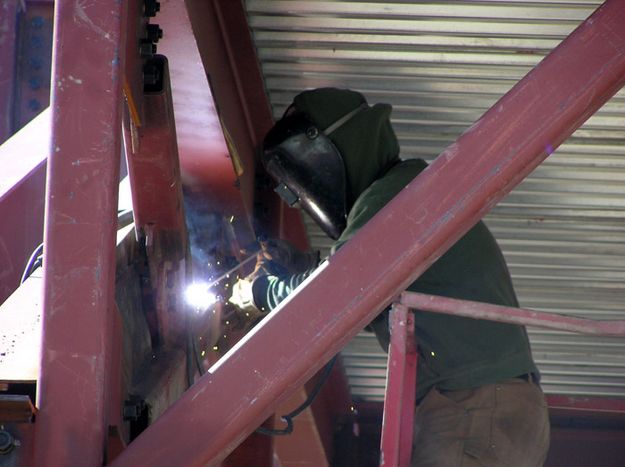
<point x="198" y="361"/>
<point x="35" y="261"/>
<point x="309" y="400"/>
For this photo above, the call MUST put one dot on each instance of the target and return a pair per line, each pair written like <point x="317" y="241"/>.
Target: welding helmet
<point x="309" y="168"/>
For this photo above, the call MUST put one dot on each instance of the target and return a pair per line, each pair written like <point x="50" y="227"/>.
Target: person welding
<point x="478" y="394"/>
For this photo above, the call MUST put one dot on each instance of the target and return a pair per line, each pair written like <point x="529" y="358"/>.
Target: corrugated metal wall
<point x="441" y="65"/>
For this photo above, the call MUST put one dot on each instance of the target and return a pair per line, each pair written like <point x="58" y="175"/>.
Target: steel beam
<point x="434" y="211"/>
<point x="225" y="46"/>
<point x="229" y="57"/>
<point x="22" y="186"/>
<point x="80" y="233"/>
<point x="399" y="398"/>
<point x="154" y="173"/>
<point x="503" y="314"/>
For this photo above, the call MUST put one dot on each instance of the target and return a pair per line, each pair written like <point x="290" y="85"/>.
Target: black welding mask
<point x="309" y="168"/>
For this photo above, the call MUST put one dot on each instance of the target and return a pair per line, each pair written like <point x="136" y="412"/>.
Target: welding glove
<point x="243" y="296"/>
<point x="285" y="255"/>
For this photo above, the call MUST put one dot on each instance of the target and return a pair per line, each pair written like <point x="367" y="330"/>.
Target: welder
<point x="478" y="396"/>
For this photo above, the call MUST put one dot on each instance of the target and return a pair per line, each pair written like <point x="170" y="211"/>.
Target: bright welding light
<point x="199" y="296"/>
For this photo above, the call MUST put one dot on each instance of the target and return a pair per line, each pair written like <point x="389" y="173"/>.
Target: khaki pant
<point x="505" y="424"/>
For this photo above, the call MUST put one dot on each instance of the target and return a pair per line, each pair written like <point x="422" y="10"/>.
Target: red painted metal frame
<point x="477" y="310"/>
<point x="204" y="158"/>
<point x="464" y="182"/>
<point x="399" y="398"/>
<point x="32" y="65"/>
<point x="8" y="39"/>
<point x="24" y="62"/>
<point x="154" y="173"/>
<point x="229" y="57"/>
<point x="22" y="186"/>
<point x="80" y="233"/>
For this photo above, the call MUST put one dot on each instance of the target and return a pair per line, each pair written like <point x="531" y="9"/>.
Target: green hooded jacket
<point x="454" y="352"/>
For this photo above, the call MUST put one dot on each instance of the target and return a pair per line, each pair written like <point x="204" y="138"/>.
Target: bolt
<point x="7" y="442"/>
<point x="36" y="42"/>
<point x="133" y="408"/>
<point x="34" y="105"/>
<point x="35" y="63"/>
<point x="312" y="132"/>
<point x="37" y="22"/>
<point x="154" y="32"/>
<point x="34" y="83"/>
<point x="151" y="7"/>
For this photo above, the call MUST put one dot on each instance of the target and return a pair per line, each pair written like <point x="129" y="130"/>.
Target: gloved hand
<point x="287" y="256"/>
<point x="243" y="297"/>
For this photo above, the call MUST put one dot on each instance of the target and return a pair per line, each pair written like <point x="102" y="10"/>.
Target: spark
<point x="199" y="296"/>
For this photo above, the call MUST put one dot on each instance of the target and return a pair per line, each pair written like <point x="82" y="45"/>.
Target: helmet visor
<point x="309" y="170"/>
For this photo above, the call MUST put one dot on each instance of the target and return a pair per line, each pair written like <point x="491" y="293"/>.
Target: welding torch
<point x="230" y="271"/>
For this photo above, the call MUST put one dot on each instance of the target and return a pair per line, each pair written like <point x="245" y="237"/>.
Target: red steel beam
<point x="399" y="398"/>
<point x="154" y="173"/>
<point x="206" y="164"/>
<point x="80" y="229"/>
<point x="434" y="211"/>
<point x="229" y="56"/>
<point x="504" y="314"/>
<point x="22" y="186"/>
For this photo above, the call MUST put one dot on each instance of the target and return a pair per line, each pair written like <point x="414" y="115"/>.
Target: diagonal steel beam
<point x="434" y="210"/>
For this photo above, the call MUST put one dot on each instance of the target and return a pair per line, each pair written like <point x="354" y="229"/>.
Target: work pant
<point x="505" y="424"/>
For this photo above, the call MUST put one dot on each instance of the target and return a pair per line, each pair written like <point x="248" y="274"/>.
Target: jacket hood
<point x="367" y="142"/>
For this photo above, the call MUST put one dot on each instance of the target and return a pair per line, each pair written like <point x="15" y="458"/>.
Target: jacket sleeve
<point x="269" y="291"/>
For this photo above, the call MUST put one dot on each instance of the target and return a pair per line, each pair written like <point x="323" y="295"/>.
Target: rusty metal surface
<point x="464" y="182"/>
<point x="79" y="264"/>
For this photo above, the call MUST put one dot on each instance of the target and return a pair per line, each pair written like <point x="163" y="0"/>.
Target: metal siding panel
<point x="441" y="65"/>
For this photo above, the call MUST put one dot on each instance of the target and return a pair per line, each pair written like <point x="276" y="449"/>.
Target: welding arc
<point x="230" y="271"/>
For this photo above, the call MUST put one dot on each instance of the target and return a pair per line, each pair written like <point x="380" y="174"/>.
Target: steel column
<point x="399" y="399"/>
<point x="79" y="264"/>
<point x="477" y="310"/>
<point x="434" y="210"/>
